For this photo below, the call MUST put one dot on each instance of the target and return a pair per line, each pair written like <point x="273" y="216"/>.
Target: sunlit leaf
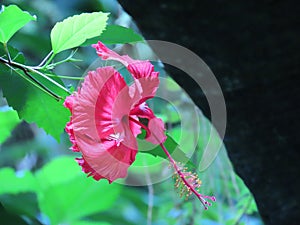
<point x="12" y="183"/>
<point x="75" y="30"/>
<point x="54" y="173"/>
<point x="82" y="222"/>
<point x="8" y="121"/>
<point x="115" y="34"/>
<point x="12" y="18"/>
<point x="64" y="186"/>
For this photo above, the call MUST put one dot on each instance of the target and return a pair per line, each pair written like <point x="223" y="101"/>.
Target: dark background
<point x="253" y="49"/>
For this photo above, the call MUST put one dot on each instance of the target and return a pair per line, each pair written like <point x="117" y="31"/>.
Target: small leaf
<point x="115" y="34"/>
<point x="75" y="30"/>
<point x="171" y="145"/>
<point x="12" y="19"/>
<point x="8" y="121"/>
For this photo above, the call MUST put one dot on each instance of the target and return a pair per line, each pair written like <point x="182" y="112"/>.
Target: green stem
<point x="7" y="52"/>
<point x="44" y="60"/>
<point x="26" y="71"/>
<point x="64" y="77"/>
<point x="180" y="173"/>
<point x="52" y="65"/>
<point x="36" y="83"/>
<point x="49" y="60"/>
<point x="43" y="75"/>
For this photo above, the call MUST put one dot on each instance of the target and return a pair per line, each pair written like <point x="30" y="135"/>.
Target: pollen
<point x="188" y="183"/>
<point x="191" y="178"/>
<point x="118" y="138"/>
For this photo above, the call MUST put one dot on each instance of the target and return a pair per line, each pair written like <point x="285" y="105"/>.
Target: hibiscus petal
<point x="110" y="164"/>
<point x="143" y="111"/>
<point x="146" y="79"/>
<point x="157" y="131"/>
<point x="69" y="102"/>
<point x="86" y="168"/>
<point x="113" y="102"/>
<point x="70" y="132"/>
<point x="84" y="101"/>
<point x="155" y="125"/>
<point x="148" y="87"/>
<point x="142" y="69"/>
<point x="107" y="54"/>
<point x="99" y="110"/>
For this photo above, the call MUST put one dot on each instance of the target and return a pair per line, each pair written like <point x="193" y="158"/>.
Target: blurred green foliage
<point x="62" y="192"/>
<point x="8" y="120"/>
<point x="40" y="184"/>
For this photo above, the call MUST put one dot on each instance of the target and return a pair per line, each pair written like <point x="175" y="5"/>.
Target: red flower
<point x="146" y="81"/>
<point x="105" y="117"/>
<point x="105" y="122"/>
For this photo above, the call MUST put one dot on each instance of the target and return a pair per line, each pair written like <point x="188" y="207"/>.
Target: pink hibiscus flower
<point x="105" y="121"/>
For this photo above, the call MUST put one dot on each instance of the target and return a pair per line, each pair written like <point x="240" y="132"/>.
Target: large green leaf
<point x="66" y="188"/>
<point x="10" y="218"/>
<point x="8" y="120"/>
<point x="14" y="203"/>
<point x="209" y="144"/>
<point x="65" y="168"/>
<point x="62" y="185"/>
<point x="12" y="18"/>
<point x="32" y="104"/>
<point x="115" y="34"/>
<point x="75" y="30"/>
<point x="11" y="183"/>
<point x="82" y="222"/>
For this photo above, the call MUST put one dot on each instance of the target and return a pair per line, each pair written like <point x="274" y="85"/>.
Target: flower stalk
<point x="186" y="181"/>
<point x="32" y="80"/>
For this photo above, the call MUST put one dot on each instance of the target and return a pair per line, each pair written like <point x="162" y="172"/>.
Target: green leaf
<point x="82" y="222"/>
<point x="8" y="121"/>
<point x="12" y="19"/>
<point x="10" y="218"/>
<point x="210" y="143"/>
<point x="75" y="30"/>
<point x="115" y="34"/>
<point x="61" y="185"/>
<point x="66" y="187"/>
<point x="12" y="183"/>
<point x="33" y="105"/>
<point x="170" y="144"/>
<point x="54" y="173"/>
<point x="14" y="203"/>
